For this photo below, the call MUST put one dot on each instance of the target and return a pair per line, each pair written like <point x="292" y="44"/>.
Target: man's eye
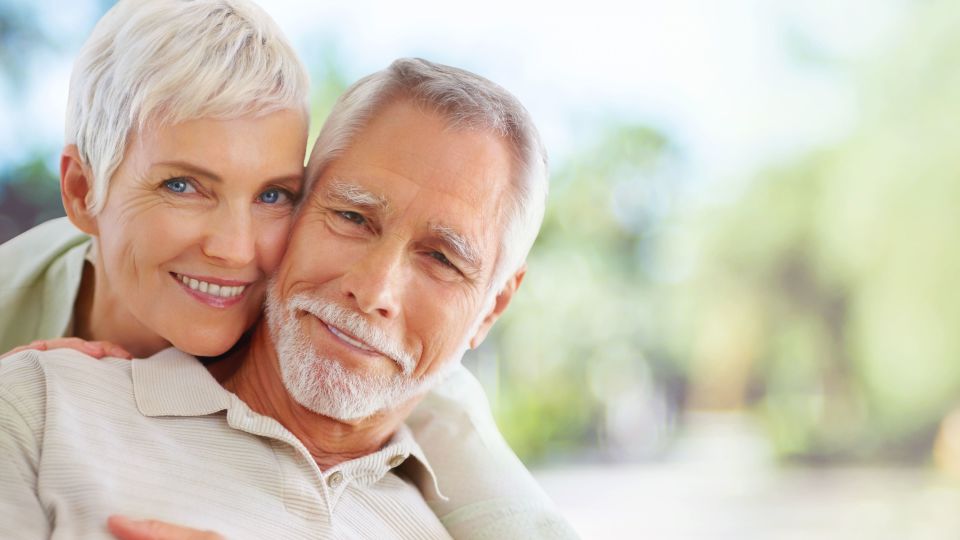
<point x="275" y="196"/>
<point x="440" y="257"/>
<point x="352" y="217"/>
<point x="179" y="185"/>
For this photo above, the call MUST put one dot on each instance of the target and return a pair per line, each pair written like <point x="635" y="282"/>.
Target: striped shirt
<point x="159" y="438"/>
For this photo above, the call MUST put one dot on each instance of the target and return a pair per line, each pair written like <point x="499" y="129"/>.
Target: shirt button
<point x="335" y="479"/>
<point x="395" y="461"/>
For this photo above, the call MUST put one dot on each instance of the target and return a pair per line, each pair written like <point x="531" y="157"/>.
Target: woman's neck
<point x="99" y="316"/>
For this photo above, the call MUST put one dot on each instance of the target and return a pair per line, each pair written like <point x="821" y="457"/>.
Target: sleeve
<point x="22" y="417"/>
<point x="490" y="494"/>
<point x="21" y="514"/>
<point x="39" y="279"/>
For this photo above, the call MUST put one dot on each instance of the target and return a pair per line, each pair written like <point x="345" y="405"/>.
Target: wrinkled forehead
<point x="391" y="192"/>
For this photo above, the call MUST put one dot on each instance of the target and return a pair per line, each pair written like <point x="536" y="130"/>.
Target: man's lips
<point x="351" y="330"/>
<point x="349" y="339"/>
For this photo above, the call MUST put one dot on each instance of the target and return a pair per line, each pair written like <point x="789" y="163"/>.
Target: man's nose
<point x="231" y="237"/>
<point x="374" y="282"/>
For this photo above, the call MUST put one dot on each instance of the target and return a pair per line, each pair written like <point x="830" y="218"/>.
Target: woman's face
<point x="195" y="220"/>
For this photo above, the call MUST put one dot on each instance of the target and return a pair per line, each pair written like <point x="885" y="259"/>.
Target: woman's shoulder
<point x="40" y="272"/>
<point x="32" y="252"/>
<point x="53" y="236"/>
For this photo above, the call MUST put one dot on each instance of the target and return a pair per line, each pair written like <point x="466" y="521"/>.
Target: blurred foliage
<point x="571" y="353"/>
<point x="29" y="195"/>
<point x="825" y="293"/>
<point x="327" y="81"/>
<point x="29" y="191"/>
<point x="20" y="34"/>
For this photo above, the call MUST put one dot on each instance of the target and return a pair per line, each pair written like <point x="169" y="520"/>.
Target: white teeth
<point x="349" y="340"/>
<point x="212" y="289"/>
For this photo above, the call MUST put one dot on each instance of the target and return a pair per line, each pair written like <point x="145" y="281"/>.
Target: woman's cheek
<point x="272" y="242"/>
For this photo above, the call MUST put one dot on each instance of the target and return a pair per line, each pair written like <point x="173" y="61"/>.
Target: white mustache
<point x="353" y="323"/>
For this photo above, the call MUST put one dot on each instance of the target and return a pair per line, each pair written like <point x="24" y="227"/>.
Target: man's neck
<point x="259" y="383"/>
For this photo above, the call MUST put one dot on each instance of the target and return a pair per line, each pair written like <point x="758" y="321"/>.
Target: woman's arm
<point x="490" y="493"/>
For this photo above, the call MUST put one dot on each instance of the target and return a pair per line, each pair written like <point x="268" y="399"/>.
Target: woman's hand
<point x="124" y="528"/>
<point x="96" y="349"/>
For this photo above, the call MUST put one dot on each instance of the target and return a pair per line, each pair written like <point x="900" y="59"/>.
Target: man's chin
<point x="327" y="388"/>
<point x="336" y="412"/>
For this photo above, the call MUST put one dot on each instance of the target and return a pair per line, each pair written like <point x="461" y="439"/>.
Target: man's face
<point x="387" y="277"/>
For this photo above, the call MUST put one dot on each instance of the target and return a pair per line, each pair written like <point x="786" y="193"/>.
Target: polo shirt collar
<point x="173" y="383"/>
<point x="418" y="468"/>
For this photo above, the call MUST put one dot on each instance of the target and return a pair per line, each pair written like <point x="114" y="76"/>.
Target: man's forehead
<point x="456" y="201"/>
<point x="423" y="147"/>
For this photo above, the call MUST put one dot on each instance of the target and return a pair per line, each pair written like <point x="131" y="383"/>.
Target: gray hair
<point x="467" y="102"/>
<point x="162" y="62"/>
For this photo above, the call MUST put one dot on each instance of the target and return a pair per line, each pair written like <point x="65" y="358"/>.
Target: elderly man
<point x="427" y="185"/>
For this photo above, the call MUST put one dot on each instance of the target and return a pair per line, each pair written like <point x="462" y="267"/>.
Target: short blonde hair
<point x="162" y="62"/>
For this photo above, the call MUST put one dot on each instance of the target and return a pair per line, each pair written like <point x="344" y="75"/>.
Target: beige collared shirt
<point x="82" y="439"/>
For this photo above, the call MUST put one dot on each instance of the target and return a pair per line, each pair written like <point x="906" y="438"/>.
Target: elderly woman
<point x="186" y="130"/>
<point x="186" y="133"/>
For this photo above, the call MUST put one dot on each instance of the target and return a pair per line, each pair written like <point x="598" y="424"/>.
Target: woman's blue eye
<point x="273" y="196"/>
<point x="177" y="185"/>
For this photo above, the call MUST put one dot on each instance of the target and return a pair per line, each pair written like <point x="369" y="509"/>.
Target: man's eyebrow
<point x="352" y="194"/>
<point x="459" y="244"/>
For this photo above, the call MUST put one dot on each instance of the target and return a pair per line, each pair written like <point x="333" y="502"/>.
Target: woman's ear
<point x="76" y="185"/>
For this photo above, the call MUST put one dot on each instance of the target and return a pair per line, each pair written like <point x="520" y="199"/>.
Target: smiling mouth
<point x="211" y="289"/>
<point x="350" y="340"/>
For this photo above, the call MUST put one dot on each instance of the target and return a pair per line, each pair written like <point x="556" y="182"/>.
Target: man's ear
<point x="500" y="303"/>
<point x="76" y="185"/>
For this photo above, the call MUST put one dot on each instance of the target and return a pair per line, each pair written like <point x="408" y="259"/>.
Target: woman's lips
<point x="212" y="291"/>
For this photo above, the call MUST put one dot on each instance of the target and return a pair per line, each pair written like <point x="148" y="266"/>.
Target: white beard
<point x="323" y="385"/>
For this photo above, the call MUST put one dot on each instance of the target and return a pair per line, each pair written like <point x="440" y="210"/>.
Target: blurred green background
<point x="743" y="264"/>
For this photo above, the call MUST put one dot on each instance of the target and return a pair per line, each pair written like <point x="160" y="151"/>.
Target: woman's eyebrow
<point x="200" y="171"/>
<point x="191" y="168"/>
